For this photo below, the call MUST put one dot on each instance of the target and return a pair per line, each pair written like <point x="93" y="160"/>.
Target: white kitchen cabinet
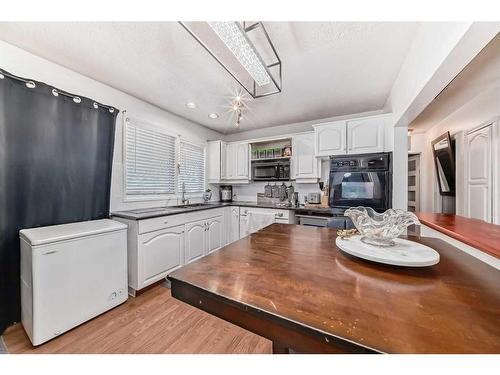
<point x="365" y="135"/>
<point x="232" y="224"/>
<point x="330" y="139"/>
<point x="157" y="246"/>
<point x="242" y="153"/>
<point x="305" y="166"/>
<point x="227" y="162"/>
<point x="162" y="252"/>
<point x="195" y="240"/>
<point x="237" y="162"/>
<point x="203" y="237"/>
<point x="214" y="234"/>
<point x="253" y="219"/>
<point x="215" y="161"/>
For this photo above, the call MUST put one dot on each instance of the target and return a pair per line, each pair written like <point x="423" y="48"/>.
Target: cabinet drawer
<point x="278" y="214"/>
<point x="157" y="223"/>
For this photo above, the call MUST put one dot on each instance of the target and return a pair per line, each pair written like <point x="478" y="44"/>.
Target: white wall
<point x="478" y="110"/>
<point x="25" y="64"/>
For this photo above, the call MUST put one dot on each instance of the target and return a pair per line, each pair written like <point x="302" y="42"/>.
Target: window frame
<point x="159" y="197"/>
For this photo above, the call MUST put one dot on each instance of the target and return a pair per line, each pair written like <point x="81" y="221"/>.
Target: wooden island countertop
<point x="290" y="284"/>
<point x="476" y="233"/>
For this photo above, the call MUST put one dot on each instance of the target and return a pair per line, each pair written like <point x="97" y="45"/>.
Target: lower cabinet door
<point x="195" y="240"/>
<point x="234" y="226"/>
<point x="161" y="252"/>
<point x="215" y="234"/>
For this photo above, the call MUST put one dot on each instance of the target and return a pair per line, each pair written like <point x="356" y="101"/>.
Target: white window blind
<point x="150" y="161"/>
<point x="191" y="168"/>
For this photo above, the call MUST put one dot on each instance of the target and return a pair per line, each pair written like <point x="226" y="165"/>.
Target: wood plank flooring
<point x="153" y="322"/>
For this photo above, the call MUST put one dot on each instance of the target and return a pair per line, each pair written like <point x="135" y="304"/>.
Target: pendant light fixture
<point x="244" y="50"/>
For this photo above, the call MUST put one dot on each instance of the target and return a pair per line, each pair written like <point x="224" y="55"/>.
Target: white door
<point x="305" y="164"/>
<point x="195" y="240"/>
<point x="234" y="224"/>
<point x="478" y="174"/>
<point x="214" y="234"/>
<point x="241" y="157"/>
<point x="365" y="136"/>
<point x="330" y="139"/>
<point x="161" y="252"/>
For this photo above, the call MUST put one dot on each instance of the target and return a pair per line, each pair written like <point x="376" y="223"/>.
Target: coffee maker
<point x="226" y="193"/>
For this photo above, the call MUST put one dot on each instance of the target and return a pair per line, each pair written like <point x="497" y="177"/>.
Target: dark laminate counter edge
<point x="218" y="305"/>
<point x="149" y="215"/>
<point x="476" y="233"/>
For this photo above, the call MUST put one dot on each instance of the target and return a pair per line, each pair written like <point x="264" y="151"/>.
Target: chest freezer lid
<point x="62" y="232"/>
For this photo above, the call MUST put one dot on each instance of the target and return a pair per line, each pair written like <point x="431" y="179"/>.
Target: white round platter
<point x="405" y="253"/>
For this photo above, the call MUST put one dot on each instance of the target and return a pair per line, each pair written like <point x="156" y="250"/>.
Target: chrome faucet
<point x="183" y="199"/>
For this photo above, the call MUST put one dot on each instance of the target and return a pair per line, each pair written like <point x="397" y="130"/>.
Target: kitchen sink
<point x="193" y="205"/>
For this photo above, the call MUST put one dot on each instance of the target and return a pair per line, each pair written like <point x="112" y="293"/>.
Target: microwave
<point x="271" y="170"/>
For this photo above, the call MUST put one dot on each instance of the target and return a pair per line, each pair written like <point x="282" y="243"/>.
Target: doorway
<point x="414" y="182"/>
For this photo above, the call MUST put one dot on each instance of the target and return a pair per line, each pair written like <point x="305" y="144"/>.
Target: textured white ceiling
<point x="480" y="75"/>
<point x="329" y="69"/>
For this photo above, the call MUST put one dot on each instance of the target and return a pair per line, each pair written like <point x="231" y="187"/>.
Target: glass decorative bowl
<point x="380" y="229"/>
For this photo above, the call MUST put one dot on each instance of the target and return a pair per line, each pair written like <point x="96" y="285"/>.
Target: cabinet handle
<point x="165" y="222"/>
<point x="280" y="214"/>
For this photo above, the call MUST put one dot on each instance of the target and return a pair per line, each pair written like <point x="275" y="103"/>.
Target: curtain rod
<point x="56" y="92"/>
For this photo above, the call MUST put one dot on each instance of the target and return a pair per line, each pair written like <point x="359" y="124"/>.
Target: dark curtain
<point x="55" y="168"/>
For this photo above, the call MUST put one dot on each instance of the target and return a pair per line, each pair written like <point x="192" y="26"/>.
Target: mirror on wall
<point x="444" y="161"/>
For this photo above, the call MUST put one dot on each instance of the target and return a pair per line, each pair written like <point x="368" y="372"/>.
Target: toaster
<point x="314" y="198"/>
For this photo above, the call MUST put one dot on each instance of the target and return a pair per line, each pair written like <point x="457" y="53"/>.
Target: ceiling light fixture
<point x="213" y="115"/>
<point x="229" y="43"/>
<point x="238" y="106"/>
<point x="234" y="39"/>
<point x="191" y="105"/>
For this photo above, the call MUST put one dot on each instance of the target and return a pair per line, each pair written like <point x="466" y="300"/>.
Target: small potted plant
<point x="207" y="195"/>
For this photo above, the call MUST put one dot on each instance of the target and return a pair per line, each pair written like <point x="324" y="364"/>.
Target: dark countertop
<point x="291" y="284"/>
<point x="476" y="233"/>
<point x="148" y="213"/>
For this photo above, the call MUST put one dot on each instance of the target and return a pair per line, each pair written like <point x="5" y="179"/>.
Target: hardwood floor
<point x="153" y="322"/>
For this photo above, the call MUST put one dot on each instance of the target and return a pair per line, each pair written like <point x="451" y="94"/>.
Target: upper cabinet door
<point x="305" y="164"/>
<point x="365" y="136"/>
<point x="223" y="160"/>
<point x="241" y="160"/>
<point x="330" y="139"/>
<point x="230" y="162"/>
<point x="214" y="161"/>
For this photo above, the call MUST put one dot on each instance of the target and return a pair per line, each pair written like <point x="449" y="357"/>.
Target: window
<point x="191" y="167"/>
<point x="149" y="161"/>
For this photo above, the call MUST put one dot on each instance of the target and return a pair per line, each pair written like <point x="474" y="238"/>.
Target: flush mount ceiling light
<point x="213" y="115"/>
<point x="191" y="105"/>
<point x="244" y="50"/>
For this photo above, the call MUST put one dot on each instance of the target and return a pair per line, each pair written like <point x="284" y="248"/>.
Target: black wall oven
<point x="271" y="170"/>
<point x="361" y="180"/>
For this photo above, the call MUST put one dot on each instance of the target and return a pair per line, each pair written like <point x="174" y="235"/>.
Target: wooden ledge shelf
<point x="476" y="233"/>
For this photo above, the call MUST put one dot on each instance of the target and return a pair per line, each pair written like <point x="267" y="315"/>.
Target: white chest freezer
<point x="71" y="273"/>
